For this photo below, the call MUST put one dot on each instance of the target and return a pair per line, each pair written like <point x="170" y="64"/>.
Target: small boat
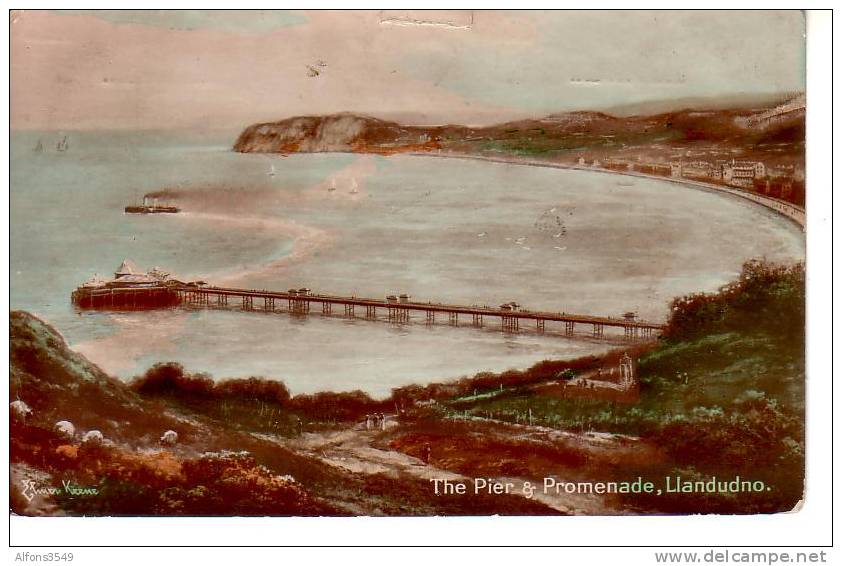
<point x="271" y="172"/>
<point x="332" y="186"/>
<point x="39" y="147"/>
<point x="62" y="144"/>
<point x="354" y="187"/>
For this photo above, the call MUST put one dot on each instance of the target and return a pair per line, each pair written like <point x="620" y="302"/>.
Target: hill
<point x="765" y="132"/>
<point x="722" y="394"/>
<point x="228" y="458"/>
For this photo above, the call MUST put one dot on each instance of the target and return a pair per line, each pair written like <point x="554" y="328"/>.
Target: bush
<point x="767" y="297"/>
<point x="171" y="379"/>
<point x="254" y="389"/>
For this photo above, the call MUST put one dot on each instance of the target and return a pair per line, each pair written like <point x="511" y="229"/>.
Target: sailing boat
<point x="62" y="144"/>
<point x="39" y="147"/>
<point x="332" y="186"/>
<point x="354" y="187"/>
<point x="271" y="172"/>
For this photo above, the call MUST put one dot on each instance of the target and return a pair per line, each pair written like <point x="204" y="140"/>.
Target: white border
<point x="810" y="526"/>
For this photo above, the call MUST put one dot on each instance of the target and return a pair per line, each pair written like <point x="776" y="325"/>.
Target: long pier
<point x="400" y="311"/>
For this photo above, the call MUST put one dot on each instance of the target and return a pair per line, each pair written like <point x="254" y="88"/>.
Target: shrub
<point x="765" y="297"/>
<point x="171" y="379"/>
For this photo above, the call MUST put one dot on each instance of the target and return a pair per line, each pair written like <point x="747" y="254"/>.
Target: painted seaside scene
<point x="407" y="263"/>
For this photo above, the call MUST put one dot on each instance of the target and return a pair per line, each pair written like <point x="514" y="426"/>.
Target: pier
<point x="302" y="302"/>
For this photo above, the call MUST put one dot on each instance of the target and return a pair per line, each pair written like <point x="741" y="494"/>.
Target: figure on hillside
<point x="425" y="454"/>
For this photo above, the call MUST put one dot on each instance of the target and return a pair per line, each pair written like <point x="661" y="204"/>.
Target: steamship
<point x="151" y="206"/>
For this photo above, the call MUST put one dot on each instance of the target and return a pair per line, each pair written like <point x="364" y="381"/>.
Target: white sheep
<point x="169" y="438"/>
<point x="93" y="437"/>
<point x="65" y="429"/>
<point x="20" y="409"/>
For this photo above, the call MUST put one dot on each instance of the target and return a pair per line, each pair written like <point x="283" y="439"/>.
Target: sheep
<point x="20" y="409"/>
<point x="65" y="429"/>
<point x="169" y="438"/>
<point x="93" y="437"/>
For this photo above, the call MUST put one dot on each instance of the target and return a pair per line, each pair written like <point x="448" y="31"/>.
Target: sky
<point x="131" y="69"/>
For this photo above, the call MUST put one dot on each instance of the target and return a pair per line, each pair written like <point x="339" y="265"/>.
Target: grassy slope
<point x="723" y="393"/>
<point x="217" y="468"/>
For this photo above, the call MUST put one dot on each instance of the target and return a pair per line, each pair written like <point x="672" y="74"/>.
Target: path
<point x="353" y="450"/>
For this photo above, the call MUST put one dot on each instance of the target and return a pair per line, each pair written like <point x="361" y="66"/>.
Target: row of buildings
<point x="783" y="180"/>
<point x="733" y="172"/>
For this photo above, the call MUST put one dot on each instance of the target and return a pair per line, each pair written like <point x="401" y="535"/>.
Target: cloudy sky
<point x="187" y="69"/>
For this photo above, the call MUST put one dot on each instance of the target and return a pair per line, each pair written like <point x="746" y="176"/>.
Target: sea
<point x="439" y="229"/>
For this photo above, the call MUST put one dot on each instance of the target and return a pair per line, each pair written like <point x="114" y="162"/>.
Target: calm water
<point x="439" y="229"/>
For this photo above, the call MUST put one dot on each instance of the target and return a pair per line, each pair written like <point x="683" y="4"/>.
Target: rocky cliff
<point x="335" y="132"/>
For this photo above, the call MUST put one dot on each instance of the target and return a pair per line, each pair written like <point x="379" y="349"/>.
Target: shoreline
<point x="783" y="208"/>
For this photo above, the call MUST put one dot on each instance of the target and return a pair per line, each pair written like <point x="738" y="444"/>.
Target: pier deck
<point x="398" y="311"/>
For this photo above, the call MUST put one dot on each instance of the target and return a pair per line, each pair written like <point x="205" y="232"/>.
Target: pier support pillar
<point x="540" y="325"/>
<point x="431" y="317"/>
<point x="326" y="308"/>
<point x="598" y="329"/>
<point x="397" y="314"/>
<point x="477" y="320"/>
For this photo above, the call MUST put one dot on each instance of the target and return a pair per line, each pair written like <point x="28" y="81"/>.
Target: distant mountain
<point x="552" y="135"/>
<point x="746" y="101"/>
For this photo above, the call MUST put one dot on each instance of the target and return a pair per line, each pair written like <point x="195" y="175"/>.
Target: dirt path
<point x="354" y="450"/>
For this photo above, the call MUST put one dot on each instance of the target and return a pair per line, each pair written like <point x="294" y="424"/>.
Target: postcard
<point x="407" y="263"/>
